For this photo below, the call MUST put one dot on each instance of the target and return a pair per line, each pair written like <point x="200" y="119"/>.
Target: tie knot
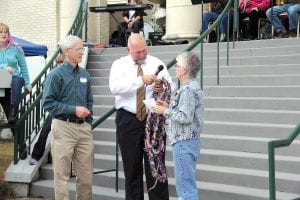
<point x="139" y="71"/>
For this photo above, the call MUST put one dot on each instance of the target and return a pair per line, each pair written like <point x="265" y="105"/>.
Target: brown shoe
<point x="293" y="33"/>
<point x="281" y="34"/>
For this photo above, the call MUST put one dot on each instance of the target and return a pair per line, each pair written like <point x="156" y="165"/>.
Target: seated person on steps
<point x="216" y="8"/>
<point x="254" y="9"/>
<point x="292" y="7"/>
<point x="132" y="19"/>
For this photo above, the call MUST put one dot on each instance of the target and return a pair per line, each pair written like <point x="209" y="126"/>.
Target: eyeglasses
<point x="4" y="32"/>
<point x="77" y="49"/>
<point x="177" y="66"/>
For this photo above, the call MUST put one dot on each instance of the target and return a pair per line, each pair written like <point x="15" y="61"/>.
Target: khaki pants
<point x="72" y="143"/>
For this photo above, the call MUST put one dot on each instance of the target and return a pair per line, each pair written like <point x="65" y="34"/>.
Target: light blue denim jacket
<point x="186" y="112"/>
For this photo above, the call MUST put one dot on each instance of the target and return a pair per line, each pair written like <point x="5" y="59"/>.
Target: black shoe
<point x="293" y="33"/>
<point x="12" y="117"/>
<point x="281" y="34"/>
<point x="23" y="155"/>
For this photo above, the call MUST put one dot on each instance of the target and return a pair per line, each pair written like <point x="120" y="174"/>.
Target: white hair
<point x="190" y="61"/>
<point x="68" y="42"/>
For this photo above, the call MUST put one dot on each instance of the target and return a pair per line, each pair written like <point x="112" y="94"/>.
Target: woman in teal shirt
<point x="13" y="60"/>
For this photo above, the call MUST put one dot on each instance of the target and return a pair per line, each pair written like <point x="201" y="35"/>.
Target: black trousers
<point x="122" y="31"/>
<point x="253" y="27"/>
<point x="130" y="135"/>
<point x="39" y="147"/>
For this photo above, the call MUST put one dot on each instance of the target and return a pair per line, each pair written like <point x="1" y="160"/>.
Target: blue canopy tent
<point x="31" y="49"/>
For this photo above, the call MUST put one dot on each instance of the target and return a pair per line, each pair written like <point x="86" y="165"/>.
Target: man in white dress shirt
<point x="124" y="83"/>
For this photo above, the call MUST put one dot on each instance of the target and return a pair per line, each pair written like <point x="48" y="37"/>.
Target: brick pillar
<point x="98" y="24"/>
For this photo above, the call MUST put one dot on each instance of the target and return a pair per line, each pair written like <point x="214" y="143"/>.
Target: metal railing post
<point x="272" y="190"/>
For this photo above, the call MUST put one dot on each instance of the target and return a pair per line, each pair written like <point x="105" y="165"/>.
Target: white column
<point x="98" y="24"/>
<point x="67" y="12"/>
<point x="183" y="20"/>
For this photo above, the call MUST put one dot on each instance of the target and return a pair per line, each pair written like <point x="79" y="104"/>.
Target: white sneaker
<point x="223" y="37"/>
<point x="33" y="161"/>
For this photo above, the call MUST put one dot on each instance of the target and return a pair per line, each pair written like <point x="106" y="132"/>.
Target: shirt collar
<point x="134" y="63"/>
<point x="69" y="68"/>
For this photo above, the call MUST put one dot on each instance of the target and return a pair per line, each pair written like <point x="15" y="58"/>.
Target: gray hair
<point x="68" y="42"/>
<point x="190" y="61"/>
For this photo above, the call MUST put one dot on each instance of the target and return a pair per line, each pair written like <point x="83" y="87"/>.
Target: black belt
<point x="73" y="120"/>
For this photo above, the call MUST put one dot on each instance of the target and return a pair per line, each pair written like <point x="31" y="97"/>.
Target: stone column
<point x="67" y="12"/>
<point x="183" y="20"/>
<point x="98" y="24"/>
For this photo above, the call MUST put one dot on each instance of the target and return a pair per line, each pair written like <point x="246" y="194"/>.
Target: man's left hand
<point x="158" y="86"/>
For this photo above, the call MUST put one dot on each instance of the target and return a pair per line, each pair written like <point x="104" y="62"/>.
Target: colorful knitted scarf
<point x="155" y="138"/>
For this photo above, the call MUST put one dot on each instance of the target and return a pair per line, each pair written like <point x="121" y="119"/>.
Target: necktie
<point x="140" y="96"/>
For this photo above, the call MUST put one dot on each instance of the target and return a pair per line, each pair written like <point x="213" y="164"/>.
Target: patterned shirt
<point x="186" y="113"/>
<point x="65" y="88"/>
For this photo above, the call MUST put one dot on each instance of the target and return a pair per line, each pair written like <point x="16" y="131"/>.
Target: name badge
<point x="83" y="80"/>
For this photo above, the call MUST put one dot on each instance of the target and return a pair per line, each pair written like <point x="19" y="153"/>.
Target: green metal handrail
<point x="271" y="148"/>
<point x="31" y="111"/>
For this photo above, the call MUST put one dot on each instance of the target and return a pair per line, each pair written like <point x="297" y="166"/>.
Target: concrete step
<point x="212" y="62"/>
<point x="212" y="174"/>
<point x="289" y="91"/>
<point x="274" y="69"/>
<point x="252" y="115"/>
<point x="252" y="91"/>
<point x="269" y="103"/>
<point x="260" y="130"/>
<point x="207" y="188"/>
<point x="171" y="54"/>
<point x="207" y="46"/>
<point x="105" y="102"/>
<point x="235" y="115"/>
<point x="249" y="80"/>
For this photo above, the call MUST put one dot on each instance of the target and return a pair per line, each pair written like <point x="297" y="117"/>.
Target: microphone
<point x="159" y="69"/>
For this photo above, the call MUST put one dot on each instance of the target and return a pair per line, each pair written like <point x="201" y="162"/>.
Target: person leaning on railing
<point x="254" y="9"/>
<point x="39" y="147"/>
<point x="292" y="7"/>
<point x="13" y="60"/>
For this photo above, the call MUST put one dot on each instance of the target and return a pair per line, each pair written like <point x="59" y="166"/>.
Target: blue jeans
<point x="13" y="95"/>
<point x="185" y="156"/>
<point x="17" y="84"/>
<point x="293" y="11"/>
<point x="211" y="17"/>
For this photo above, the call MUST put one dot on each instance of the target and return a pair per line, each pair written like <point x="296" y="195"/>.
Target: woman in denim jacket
<point x="185" y="119"/>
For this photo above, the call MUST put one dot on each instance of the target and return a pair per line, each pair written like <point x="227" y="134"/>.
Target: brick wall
<point x="33" y="20"/>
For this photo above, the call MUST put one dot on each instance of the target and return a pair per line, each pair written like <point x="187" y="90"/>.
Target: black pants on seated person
<point x="252" y="31"/>
<point x="122" y="31"/>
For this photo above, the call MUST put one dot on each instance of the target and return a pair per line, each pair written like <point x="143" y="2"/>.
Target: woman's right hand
<point x="162" y="103"/>
<point x="10" y="69"/>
